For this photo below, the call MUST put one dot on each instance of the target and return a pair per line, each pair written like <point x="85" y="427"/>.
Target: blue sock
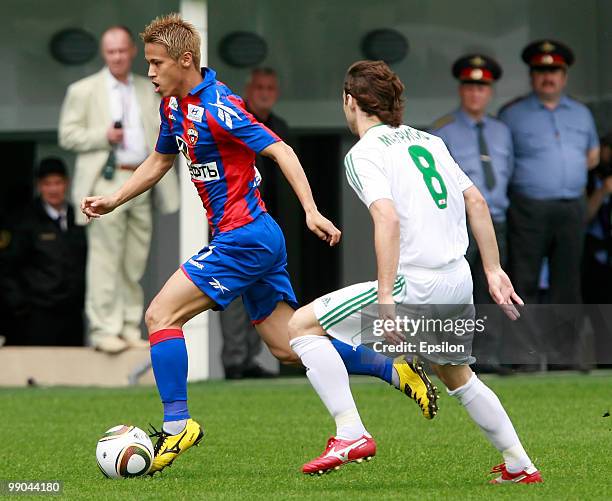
<point x="363" y="360"/>
<point x="169" y="360"/>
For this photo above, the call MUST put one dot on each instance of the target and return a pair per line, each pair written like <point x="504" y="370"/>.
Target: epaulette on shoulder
<point x="511" y="103"/>
<point x="441" y="122"/>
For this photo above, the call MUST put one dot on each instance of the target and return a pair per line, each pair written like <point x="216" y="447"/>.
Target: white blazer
<point x="84" y="120"/>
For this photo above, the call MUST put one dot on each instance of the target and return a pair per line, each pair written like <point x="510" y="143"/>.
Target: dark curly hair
<point x="377" y="89"/>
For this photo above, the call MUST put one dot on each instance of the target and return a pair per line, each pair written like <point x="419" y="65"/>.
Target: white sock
<point x="486" y="410"/>
<point x="329" y="378"/>
<point x="174" y="427"/>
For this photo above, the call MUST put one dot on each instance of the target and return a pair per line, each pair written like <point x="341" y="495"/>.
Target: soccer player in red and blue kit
<point x="204" y="121"/>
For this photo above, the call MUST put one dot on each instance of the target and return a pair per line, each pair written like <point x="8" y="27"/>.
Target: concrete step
<point x="68" y="366"/>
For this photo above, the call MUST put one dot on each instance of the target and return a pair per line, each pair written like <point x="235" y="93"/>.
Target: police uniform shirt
<point x="550" y="147"/>
<point x="459" y="132"/>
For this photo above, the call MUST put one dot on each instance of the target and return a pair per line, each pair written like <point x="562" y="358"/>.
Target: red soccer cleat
<point x="529" y="475"/>
<point x="340" y="451"/>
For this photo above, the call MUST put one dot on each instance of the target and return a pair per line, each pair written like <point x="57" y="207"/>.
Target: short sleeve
<point x="593" y="137"/>
<point x="166" y="142"/>
<point x="462" y="178"/>
<point x="367" y="177"/>
<point x="229" y="113"/>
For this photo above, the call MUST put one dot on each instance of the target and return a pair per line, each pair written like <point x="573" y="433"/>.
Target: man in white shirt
<point x="418" y="198"/>
<point x="110" y="119"/>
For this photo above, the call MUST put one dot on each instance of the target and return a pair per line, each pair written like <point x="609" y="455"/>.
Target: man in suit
<point x="47" y="276"/>
<point x="110" y="120"/>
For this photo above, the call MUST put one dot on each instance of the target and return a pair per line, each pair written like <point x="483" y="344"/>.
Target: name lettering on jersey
<point x="204" y="172"/>
<point x="173" y="104"/>
<point x="192" y="135"/>
<point x="402" y="135"/>
<point x="195" y="113"/>
<point x="225" y="113"/>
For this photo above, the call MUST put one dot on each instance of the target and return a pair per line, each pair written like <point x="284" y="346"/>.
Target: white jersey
<point x="415" y="170"/>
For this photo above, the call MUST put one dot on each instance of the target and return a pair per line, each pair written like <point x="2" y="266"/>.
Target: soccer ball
<point x="124" y="451"/>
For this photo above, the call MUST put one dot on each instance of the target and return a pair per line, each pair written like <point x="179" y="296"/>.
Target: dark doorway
<point x="17" y="174"/>
<point x="15" y="195"/>
<point x="319" y="263"/>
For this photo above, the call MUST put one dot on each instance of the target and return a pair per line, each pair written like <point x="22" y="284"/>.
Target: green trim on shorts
<point x="333" y="311"/>
<point x="357" y="302"/>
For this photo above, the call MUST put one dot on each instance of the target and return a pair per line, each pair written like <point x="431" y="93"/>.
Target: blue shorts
<point x="250" y="261"/>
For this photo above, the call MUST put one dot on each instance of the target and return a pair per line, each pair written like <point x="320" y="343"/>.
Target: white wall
<point x="33" y="83"/>
<point x="312" y="43"/>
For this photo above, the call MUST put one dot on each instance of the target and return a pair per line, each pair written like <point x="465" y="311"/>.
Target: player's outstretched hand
<point x="323" y="228"/>
<point x="502" y="292"/>
<point x="94" y="207"/>
<point x="386" y="313"/>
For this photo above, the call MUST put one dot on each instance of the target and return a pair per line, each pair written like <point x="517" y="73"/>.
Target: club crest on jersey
<point x="224" y="112"/>
<point x="173" y="104"/>
<point x="192" y="135"/>
<point x="195" y="113"/>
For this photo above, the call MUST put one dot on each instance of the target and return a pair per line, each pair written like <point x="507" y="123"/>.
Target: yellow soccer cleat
<point x="415" y="383"/>
<point x="168" y="447"/>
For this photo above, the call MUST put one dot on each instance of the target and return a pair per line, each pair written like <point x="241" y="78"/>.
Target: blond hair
<point x="176" y="35"/>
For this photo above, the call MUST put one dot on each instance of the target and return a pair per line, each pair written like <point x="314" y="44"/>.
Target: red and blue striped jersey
<point x="219" y="139"/>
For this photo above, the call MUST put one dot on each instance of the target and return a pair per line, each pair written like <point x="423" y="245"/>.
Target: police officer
<point x="555" y="143"/>
<point x="482" y="146"/>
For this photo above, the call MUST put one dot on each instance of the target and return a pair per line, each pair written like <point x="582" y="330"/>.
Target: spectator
<point x="261" y="93"/>
<point x="241" y="343"/>
<point x="597" y="270"/>
<point x="110" y="119"/>
<point x="555" y="143"/>
<point x="48" y="276"/>
<point x="482" y="146"/>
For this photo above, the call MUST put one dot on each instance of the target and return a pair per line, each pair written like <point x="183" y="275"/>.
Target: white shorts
<point x="341" y="313"/>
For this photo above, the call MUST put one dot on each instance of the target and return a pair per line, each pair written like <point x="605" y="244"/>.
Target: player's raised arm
<point x="145" y="176"/>
<point x="290" y="165"/>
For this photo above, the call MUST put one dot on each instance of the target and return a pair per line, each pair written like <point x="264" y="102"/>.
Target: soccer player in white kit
<point x="418" y="198"/>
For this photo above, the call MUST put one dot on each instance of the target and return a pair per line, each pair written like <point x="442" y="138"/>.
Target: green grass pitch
<point x="259" y="433"/>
